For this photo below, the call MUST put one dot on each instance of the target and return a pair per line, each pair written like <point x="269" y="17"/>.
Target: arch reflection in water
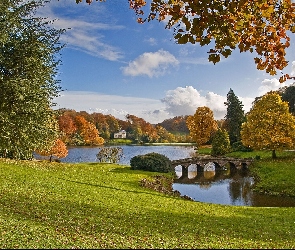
<point x="229" y="186"/>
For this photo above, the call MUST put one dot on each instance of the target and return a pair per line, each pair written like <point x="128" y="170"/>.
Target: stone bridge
<point x="219" y="163"/>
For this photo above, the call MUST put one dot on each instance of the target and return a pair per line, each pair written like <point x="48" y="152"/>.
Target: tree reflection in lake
<point x="230" y="186"/>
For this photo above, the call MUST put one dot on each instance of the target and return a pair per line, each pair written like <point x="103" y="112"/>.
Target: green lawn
<point x="96" y="205"/>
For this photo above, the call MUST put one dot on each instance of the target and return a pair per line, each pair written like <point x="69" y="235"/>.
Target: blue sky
<point x="113" y="65"/>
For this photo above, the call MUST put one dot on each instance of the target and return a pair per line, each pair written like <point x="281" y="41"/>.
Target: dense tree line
<point x="269" y="124"/>
<point x="76" y="127"/>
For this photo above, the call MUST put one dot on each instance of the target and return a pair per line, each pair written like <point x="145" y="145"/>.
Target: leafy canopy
<point x="220" y="143"/>
<point x="202" y="125"/>
<point x="259" y="26"/>
<point x="269" y="124"/>
<point x="28" y="68"/>
<point x="58" y="149"/>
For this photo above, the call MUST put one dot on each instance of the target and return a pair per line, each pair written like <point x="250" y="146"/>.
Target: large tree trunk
<point x="274" y="154"/>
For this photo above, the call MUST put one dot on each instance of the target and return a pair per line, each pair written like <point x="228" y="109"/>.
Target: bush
<point x="110" y="154"/>
<point x="238" y="146"/>
<point x="220" y="143"/>
<point x="153" y="162"/>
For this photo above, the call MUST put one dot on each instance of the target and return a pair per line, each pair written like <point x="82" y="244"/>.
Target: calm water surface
<point x="88" y="154"/>
<point x="220" y="187"/>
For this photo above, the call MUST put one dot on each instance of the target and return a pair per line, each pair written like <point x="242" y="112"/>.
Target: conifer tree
<point x="234" y="116"/>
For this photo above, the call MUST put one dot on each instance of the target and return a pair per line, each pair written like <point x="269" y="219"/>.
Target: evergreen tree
<point x="234" y="116"/>
<point x="28" y="68"/>
<point x="288" y="95"/>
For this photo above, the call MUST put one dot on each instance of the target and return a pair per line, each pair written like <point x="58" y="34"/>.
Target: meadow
<point x="97" y="205"/>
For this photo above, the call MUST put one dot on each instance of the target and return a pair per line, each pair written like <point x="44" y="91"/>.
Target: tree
<point x="164" y="135"/>
<point x="202" y="125"/>
<point x="234" y="116"/>
<point x="288" y="95"/>
<point x="220" y="143"/>
<point x="259" y="26"/>
<point x="269" y="125"/>
<point x="67" y="127"/>
<point x="58" y="150"/>
<point x="88" y="131"/>
<point x="28" y="68"/>
<point x="110" y="154"/>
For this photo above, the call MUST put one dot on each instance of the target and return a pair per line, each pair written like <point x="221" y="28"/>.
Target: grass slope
<point x="97" y="205"/>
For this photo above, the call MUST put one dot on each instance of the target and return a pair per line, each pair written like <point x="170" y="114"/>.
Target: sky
<point x="113" y="65"/>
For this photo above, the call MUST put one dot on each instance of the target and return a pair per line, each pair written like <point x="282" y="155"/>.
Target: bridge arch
<point x="219" y="162"/>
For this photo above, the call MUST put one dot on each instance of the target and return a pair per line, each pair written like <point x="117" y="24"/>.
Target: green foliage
<point x="110" y="154"/>
<point x="119" y="141"/>
<point x="238" y="146"/>
<point x="28" y="68"/>
<point x="220" y="143"/>
<point x="234" y="116"/>
<point x="153" y="162"/>
<point x="288" y="95"/>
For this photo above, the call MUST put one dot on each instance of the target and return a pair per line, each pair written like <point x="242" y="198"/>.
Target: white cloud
<point x="185" y="101"/>
<point x="247" y="102"/>
<point x="150" y="64"/>
<point x="268" y="85"/>
<point x="152" y="41"/>
<point x="118" y="106"/>
<point x="293" y="68"/>
<point x="82" y="35"/>
<point x="180" y="101"/>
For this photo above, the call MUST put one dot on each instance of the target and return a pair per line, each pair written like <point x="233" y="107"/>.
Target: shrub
<point x="110" y="154"/>
<point x="238" y="146"/>
<point x="153" y="162"/>
<point x="220" y="143"/>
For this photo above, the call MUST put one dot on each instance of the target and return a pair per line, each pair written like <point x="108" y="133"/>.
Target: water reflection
<point x="88" y="154"/>
<point x="229" y="186"/>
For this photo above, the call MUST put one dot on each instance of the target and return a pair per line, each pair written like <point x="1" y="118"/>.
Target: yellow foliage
<point x="202" y="125"/>
<point x="269" y="124"/>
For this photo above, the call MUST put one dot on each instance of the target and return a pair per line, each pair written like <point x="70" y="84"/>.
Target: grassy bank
<point x="97" y="205"/>
<point x="274" y="176"/>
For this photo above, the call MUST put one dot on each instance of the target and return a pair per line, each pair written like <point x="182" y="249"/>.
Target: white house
<point x="121" y="134"/>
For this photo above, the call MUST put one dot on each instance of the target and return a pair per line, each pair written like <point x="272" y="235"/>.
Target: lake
<point x="88" y="154"/>
<point x="225" y="187"/>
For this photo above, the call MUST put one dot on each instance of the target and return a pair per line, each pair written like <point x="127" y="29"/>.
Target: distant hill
<point x="176" y="124"/>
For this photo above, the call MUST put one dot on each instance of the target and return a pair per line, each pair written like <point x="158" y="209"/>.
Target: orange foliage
<point x="259" y="26"/>
<point x="202" y="125"/>
<point x="58" y="150"/>
<point x="88" y="131"/>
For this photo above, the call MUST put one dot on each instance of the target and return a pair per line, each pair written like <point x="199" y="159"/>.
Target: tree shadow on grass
<point x="189" y="224"/>
<point x="129" y="183"/>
